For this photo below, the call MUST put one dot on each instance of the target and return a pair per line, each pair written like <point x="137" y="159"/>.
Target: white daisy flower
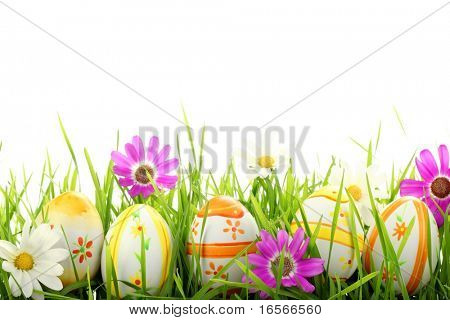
<point x="356" y="184"/>
<point x="34" y="261"/>
<point x="261" y="160"/>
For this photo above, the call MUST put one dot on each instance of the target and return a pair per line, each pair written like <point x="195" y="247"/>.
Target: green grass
<point x="272" y="201"/>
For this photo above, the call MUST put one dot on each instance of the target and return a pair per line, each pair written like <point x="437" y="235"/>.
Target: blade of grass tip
<point x="355" y="285"/>
<point x="370" y="154"/>
<point x="328" y="174"/>
<point x="202" y="145"/>
<point x="359" y="144"/>
<point x="378" y="136"/>
<point x="69" y="145"/>
<point x="399" y="120"/>
<point x="191" y="139"/>
<point x="402" y="177"/>
<point x="337" y="209"/>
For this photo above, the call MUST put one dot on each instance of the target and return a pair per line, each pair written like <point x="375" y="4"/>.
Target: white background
<point x="229" y="63"/>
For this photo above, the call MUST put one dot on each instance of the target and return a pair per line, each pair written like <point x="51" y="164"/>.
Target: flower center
<point x="141" y="174"/>
<point x="288" y="265"/>
<point x="24" y="261"/>
<point x="266" y="162"/>
<point x="441" y="187"/>
<point x="355" y="191"/>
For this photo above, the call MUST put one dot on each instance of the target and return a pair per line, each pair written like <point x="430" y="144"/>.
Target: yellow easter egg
<point x="320" y="207"/>
<point x="403" y="214"/>
<point x="125" y="242"/>
<point x="77" y="220"/>
<point x="228" y="229"/>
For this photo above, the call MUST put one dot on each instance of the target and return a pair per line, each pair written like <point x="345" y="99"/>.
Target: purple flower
<point x="295" y="267"/>
<point x="139" y="163"/>
<point x="434" y="188"/>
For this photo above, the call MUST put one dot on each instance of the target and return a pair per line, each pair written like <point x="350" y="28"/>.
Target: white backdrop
<point x="230" y="63"/>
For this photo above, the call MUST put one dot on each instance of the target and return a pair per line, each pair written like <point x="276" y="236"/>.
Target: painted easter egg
<point x="76" y="218"/>
<point x="321" y="204"/>
<point x="412" y="247"/>
<point x="139" y="226"/>
<point x="228" y="230"/>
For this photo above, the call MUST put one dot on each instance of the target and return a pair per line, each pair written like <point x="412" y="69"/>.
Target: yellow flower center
<point x="266" y="162"/>
<point x="355" y="191"/>
<point x="24" y="261"/>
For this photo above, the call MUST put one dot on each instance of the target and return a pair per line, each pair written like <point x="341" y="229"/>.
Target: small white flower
<point x="34" y="261"/>
<point x="261" y="160"/>
<point x="356" y="184"/>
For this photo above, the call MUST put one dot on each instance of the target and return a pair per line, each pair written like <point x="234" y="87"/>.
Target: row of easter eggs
<point x="224" y="228"/>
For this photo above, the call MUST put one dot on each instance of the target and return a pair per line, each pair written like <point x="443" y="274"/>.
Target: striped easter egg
<point x="125" y="245"/>
<point x="228" y="229"/>
<point x="403" y="214"/>
<point x="321" y="204"/>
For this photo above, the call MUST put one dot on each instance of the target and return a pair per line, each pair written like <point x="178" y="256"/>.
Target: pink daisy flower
<point x="434" y="188"/>
<point x="138" y="163"/>
<point x="296" y="268"/>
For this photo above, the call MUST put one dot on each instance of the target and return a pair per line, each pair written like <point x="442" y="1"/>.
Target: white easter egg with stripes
<point x="403" y="214"/>
<point x="321" y="204"/>
<point x="228" y="229"/>
<point x="125" y="244"/>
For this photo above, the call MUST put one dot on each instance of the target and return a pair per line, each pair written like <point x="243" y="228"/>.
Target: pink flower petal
<point x="296" y="242"/>
<point x="166" y="181"/>
<point x="283" y="240"/>
<point x="132" y="153"/>
<point x="120" y="159"/>
<point x="167" y="166"/>
<point x="162" y="156"/>
<point x="122" y="171"/>
<point x="428" y="163"/>
<point x="269" y="241"/>
<point x="413" y="188"/>
<point x="310" y="267"/>
<point x="135" y="191"/>
<point x="443" y="158"/>
<point x="306" y="286"/>
<point x="433" y="205"/>
<point x="139" y="146"/>
<point x="265" y="250"/>
<point x="301" y="252"/>
<point x="126" y="182"/>
<point x="153" y="146"/>
<point x="258" y="260"/>
<point x="147" y="190"/>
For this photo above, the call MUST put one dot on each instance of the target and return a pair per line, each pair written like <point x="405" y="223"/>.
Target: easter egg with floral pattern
<point x="139" y="228"/>
<point x="319" y="209"/>
<point x="409" y="224"/>
<point x="221" y="230"/>
<point x="74" y="216"/>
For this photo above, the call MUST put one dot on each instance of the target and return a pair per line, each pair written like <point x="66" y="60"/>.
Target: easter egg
<point x="403" y="214"/>
<point x="321" y="204"/>
<point x="222" y="229"/>
<point x="77" y="220"/>
<point x="139" y="226"/>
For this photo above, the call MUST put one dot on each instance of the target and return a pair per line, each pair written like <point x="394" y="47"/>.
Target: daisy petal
<point x="27" y="285"/>
<point x="413" y="188"/>
<point x="51" y="282"/>
<point x="50" y="268"/>
<point x="8" y="251"/>
<point x="8" y="266"/>
<point x="54" y="255"/>
<point x="37" y="287"/>
<point x="14" y="279"/>
<point x="443" y="158"/>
